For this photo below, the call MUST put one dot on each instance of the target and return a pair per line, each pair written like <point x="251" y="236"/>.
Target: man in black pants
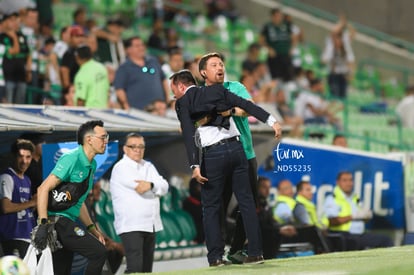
<point x="212" y="69"/>
<point x="223" y="157"/>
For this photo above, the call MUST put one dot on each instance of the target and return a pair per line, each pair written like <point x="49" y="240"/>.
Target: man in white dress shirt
<point x="135" y="188"/>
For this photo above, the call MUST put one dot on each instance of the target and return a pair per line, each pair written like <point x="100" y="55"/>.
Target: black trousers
<point x="139" y="250"/>
<point x="239" y="235"/>
<point x="75" y="239"/>
<point x="310" y="234"/>
<point x="221" y="163"/>
<point x="338" y="85"/>
<point x="281" y="66"/>
<point x="365" y="240"/>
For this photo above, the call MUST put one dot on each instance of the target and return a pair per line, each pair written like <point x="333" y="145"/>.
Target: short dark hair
<point x="341" y="173"/>
<point x="203" y="61"/>
<point x="184" y="76"/>
<point x="175" y="50"/>
<point x="261" y="179"/>
<point x="50" y="40"/>
<point x="63" y="29"/>
<point x="86" y="128"/>
<point x="78" y="11"/>
<point x="300" y="185"/>
<point x="336" y="136"/>
<point x="254" y="46"/>
<point x="83" y="52"/>
<point x="128" y="41"/>
<point x="314" y="82"/>
<point x="24" y="144"/>
<point x="409" y="89"/>
<point x="275" y="10"/>
<point x="115" y="21"/>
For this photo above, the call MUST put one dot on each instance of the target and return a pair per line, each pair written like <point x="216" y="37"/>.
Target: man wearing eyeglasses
<point x="136" y="186"/>
<point x="76" y="167"/>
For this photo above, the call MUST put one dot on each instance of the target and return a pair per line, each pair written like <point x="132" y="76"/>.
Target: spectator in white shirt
<point x="405" y="109"/>
<point x="313" y="108"/>
<point x="63" y="44"/>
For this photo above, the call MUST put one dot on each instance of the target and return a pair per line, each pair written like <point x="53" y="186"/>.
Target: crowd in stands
<point x="40" y="68"/>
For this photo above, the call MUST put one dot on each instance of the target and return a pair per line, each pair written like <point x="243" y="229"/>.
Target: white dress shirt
<point x="134" y="211"/>
<point x="212" y="134"/>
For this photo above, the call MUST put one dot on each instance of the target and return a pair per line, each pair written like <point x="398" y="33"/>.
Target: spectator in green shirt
<point x="91" y="81"/>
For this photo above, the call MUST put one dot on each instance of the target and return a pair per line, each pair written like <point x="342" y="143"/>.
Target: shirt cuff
<point x="271" y="120"/>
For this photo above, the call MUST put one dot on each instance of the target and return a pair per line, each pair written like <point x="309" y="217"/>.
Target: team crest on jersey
<point x="79" y="231"/>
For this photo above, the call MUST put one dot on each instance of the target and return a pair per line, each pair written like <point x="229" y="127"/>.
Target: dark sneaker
<point x="253" y="260"/>
<point x="237" y="258"/>
<point x="220" y="262"/>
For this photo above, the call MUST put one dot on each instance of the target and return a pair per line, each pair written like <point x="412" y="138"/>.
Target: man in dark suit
<point x="223" y="157"/>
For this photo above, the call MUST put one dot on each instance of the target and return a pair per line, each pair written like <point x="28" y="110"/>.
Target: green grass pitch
<point x="385" y="261"/>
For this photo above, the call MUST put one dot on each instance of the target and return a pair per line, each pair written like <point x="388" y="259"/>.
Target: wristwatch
<point x="194" y="166"/>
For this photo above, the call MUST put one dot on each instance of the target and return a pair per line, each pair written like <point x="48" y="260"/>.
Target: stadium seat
<point x="105" y="216"/>
<point x="393" y="89"/>
<point x="178" y="223"/>
<point x="172" y="235"/>
<point x="366" y="78"/>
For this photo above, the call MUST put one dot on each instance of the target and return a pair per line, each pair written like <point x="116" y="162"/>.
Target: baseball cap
<point x="76" y="31"/>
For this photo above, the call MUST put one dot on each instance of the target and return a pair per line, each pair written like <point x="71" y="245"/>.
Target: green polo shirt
<point x="74" y="166"/>
<point x="242" y="123"/>
<point x="92" y="84"/>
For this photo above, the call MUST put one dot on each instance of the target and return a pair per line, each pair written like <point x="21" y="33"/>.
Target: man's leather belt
<point x="221" y="142"/>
